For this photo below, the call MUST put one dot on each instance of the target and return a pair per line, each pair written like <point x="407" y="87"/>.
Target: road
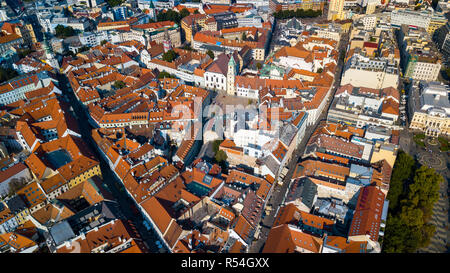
<point x="279" y="193"/>
<point x="109" y="180"/>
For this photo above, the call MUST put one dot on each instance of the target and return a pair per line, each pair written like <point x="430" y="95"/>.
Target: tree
<point x="165" y="74"/>
<point x="187" y="47"/>
<point x="215" y="145"/>
<point x="103" y="42"/>
<point x="183" y="13"/>
<point x="24" y="52"/>
<point x="418" y="188"/>
<point x="69" y="53"/>
<point x="220" y="156"/>
<point x="258" y="66"/>
<point x="403" y="170"/>
<point x="64" y="32"/>
<point x="210" y="54"/>
<point x="299" y="13"/>
<point x="83" y="49"/>
<point x="395" y="235"/>
<point x="244" y="36"/>
<point x="320" y="70"/>
<point x="196" y="11"/>
<point x="424" y="192"/>
<point x="119" y="84"/>
<point x="114" y="3"/>
<point x="172" y="15"/>
<point x="15" y="185"/>
<point x="169" y="56"/>
<point x="7" y="73"/>
<point x="59" y="30"/>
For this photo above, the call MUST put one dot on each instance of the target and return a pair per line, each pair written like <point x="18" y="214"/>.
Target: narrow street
<point x="279" y="193"/>
<point x="109" y="180"/>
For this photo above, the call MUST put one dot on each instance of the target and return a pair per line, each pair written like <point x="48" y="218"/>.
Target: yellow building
<point x="191" y="23"/>
<point x="335" y="10"/>
<point x="431" y="125"/>
<point x="27" y="33"/>
<point x="81" y="171"/>
<point x="22" y="216"/>
<point x="435" y="23"/>
<point x="371" y="7"/>
<point x="384" y="151"/>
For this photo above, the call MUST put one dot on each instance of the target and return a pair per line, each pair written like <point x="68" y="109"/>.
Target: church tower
<point x="231" y="74"/>
<point x="152" y="12"/>
<point x="167" y="43"/>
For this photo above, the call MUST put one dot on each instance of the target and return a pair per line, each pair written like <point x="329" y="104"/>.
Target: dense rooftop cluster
<point x="212" y="119"/>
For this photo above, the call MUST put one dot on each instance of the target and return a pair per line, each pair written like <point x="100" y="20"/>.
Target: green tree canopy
<point x="164" y="74"/>
<point x="215" y="145"/>
<point x="244" y="36"/>
<point x="169" y="56"/>
<point x="299" y="13"/>
<point x="114" y="3"/>
<point x="172" y="15"/>
<point x="403" y="170"/>
<point x="187" y="47"/>
<point x="210" y="54"/>
<point x="7" y="74"/>
<point x="119" y="84"/>
<point x="64" y="32"/>
<point x="407" y="227"/>
<point x="15" y="185"/>
<point x="424" y="192"/>
<point x="220" y="156"/>
<point x="184" y="12"/>
<point x="83" y="48"/>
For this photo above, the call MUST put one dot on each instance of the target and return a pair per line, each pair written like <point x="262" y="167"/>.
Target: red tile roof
<point x="286" y="239"/>
<point x="367" y="216"/>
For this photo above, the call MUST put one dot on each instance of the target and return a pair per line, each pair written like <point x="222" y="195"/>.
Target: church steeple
<point x="167" y="43"/>
<point x="231" y="74"/>
<point x="152" y="12"/>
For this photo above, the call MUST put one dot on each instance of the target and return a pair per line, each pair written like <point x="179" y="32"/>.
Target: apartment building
<point x="278" y="5"/>
<point x="426" y="19"/>
<point x="420" y="58"/>
<point x="442" y="40"/>
<point x="370" y="72"/>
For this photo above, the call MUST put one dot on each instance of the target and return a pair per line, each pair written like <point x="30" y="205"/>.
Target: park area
<point x="419" y="139"/>
<point x="444" y="144"/>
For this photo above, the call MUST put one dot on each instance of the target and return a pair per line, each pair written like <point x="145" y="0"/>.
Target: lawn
<point x="419" y="139"/>
<point x="444" y="144"/>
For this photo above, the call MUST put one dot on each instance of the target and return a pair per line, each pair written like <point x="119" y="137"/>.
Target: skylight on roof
<point x="207" y="179"/>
